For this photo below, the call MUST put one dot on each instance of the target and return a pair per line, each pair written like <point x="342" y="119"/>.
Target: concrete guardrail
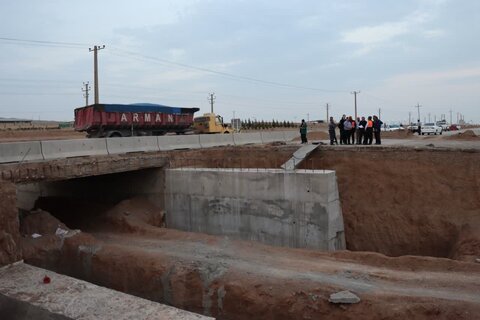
<point x="179" y="142"/>
<point x="54" y="149"/>
<point x="57" y="149"/>
<point x="132" y="144"/>
<point x="247" y="138"/>
<point x="20" y="151"/>
<point x="272" y="136"/>
<point x="216" y="140"/>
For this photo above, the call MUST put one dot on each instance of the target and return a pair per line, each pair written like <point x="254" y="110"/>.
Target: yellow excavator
<point x="210" y="123"/>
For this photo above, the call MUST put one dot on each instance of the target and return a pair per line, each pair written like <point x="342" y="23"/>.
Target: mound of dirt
<point x="132" y="215"/>
<point x="40" y="222"/>
<point x="468" y="135"/>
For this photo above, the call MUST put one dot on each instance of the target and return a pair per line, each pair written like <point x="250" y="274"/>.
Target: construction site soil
<point x="412" y="226"/>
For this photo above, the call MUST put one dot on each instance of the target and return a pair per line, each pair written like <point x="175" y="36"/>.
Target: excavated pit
<point x="395" y="202"/>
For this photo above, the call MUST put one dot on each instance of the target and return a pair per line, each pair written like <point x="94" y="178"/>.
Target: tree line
<point x="249" y="124"/>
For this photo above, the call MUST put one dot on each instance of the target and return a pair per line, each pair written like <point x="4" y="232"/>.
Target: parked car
<point x="431" y="128"/>
<point x="413" y="127"/>
<point x="453" y="128"/>
<point x="392" y="127"/>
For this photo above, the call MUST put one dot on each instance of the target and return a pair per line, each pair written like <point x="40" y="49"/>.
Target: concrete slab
<point x="24" y="295"/>
<point x="272" y="206"/>
<point x="299" y="156"/>
<point x="20" y="151"/>
<point x="247" y="138"/>
<point x="57" y="149"/>
<point x="216" y="140"/>
<point x="179" y="142"/>
<point x="132" y="144"/>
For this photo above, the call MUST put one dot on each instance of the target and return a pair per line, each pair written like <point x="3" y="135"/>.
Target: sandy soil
<point x="243" y="280"/>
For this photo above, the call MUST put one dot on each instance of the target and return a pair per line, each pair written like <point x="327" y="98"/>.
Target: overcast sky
<point x="263" y="59"/>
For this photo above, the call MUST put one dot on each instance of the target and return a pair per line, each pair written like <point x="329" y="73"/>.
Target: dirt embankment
<point x="406" y="202"/>
<point x="29" y="135"/>
<point x="468" y="135"/>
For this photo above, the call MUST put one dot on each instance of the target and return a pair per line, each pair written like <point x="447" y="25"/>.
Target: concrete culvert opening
<point x="123" y="247"/>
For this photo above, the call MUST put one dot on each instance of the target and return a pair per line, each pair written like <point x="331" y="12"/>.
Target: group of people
<point x="360" y="131"/>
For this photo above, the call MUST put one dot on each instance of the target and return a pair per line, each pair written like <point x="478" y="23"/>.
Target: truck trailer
<point x="125" y="120"/>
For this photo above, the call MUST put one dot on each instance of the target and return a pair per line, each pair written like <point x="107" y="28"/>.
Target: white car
<point x="431" y="128"/>
<point x="392" y="127"/>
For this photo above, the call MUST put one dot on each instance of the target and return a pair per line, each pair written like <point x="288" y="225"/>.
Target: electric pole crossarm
<point x="211" y="99"/>
<point x="86" y="92"/>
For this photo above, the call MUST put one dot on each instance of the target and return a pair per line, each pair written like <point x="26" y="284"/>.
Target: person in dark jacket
<point x="331" y="131"/>
<point x="377" y="128"/>
<point x="341" y="127"/>
<point x="361" y="129"/>
<point x="303" y="131"/>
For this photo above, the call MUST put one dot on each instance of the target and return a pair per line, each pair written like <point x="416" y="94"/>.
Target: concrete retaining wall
<point x="285" y="208"/>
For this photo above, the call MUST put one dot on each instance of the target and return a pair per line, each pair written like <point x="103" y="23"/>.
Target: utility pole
<point x="379" y="110"/>
<point x="328" y="119"/>
<point x="418" y="108"/>
<point x="355" y="97"/>
<point x="95" y="68"/>
<point x="211" y="98"/>
<point x="429" y="117"/>
<point x="457" y="117"/>
<point x="450" y="116"/>
<point x="308" y="118"/>
<point x="85" y="92"/>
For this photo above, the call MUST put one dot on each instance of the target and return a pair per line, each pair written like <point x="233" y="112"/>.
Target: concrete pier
<point x="299" y="209"/>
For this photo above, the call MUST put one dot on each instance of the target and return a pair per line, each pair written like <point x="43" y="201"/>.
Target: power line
<point x="165" y="61"/>
<point x="225" y="74"/>
<point x="77" y="44"/>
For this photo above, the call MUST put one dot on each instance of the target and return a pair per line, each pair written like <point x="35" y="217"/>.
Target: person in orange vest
<point x="368" y="131"/>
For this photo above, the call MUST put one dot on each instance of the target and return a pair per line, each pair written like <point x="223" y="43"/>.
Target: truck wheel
<point x="115" y="135"/>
